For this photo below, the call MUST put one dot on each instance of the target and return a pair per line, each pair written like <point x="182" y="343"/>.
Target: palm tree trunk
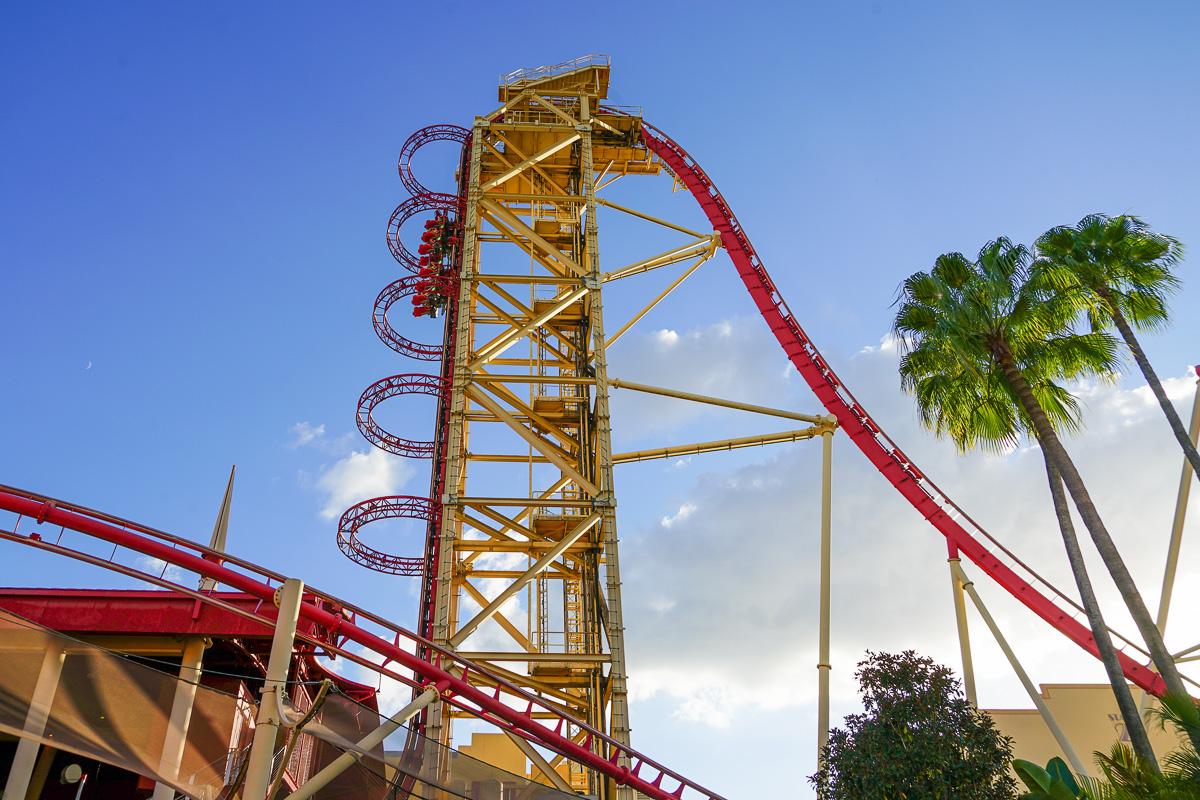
<point x="1054" y="450"/>
<point x="1139" y="356"/>
<point x="1104" y="646"/>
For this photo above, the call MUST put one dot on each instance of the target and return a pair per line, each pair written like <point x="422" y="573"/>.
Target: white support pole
<point x="181" y="716"/>
<point x="366" y="744"/>
<point x="1181" y="503"/>
<point x="1034" y="694"/>
<point x="964" y="633"/>
<point x="823" y="666"/>
<point x="36" y="718"/>
<point x="268" y="720"/>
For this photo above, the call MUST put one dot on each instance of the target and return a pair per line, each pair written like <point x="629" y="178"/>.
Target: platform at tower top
<point x="583" y="75"/>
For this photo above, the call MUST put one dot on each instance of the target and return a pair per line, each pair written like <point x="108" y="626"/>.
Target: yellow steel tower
<point x="529" y="502"/>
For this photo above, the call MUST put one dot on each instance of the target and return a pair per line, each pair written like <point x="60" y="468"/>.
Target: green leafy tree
<point x="986" y="350"/>
<point x="917" y="737"/>
<point x="1121" y="273"/>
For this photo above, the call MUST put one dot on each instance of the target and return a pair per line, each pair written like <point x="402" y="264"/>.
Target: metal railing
<point x="549" y="70"/>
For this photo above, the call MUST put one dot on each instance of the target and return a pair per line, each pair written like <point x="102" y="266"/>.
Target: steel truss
<point x="530" y="378"/>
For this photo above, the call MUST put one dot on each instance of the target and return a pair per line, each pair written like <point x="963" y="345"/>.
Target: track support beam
<point x="1022" y="675"/>
<point x="268" y="721"/>
<point x="960" y="620"/>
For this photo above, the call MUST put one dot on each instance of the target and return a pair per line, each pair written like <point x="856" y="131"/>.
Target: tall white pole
<point x="823" y="666"/>
<point x="964" y="633"/>
<point x="267" y="723"/>
<point x="1181" y="502"/>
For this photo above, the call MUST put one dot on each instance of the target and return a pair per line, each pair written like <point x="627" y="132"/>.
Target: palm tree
<point x="984" y="351"/>
<point x="1120" y="271"/>
<point x="1126" y="776"/>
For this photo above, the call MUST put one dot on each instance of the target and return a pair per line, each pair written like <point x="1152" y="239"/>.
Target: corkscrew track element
<point x="379" y="508"/>
<point x="418" y="204"/>
<point x="432" y="133"/>
<point x="388" y="387"/>
<point x="394" y="291"/>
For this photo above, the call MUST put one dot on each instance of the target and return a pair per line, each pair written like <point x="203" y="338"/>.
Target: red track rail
<point x="377" y="643"/>
<point x="391" y="386"/>
<point x="393" y="292"/>
<point x="941" y="512"/>
<point x="377" y="508"/>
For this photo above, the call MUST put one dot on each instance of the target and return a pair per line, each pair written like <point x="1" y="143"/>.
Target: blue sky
<point x="193" y="201"/>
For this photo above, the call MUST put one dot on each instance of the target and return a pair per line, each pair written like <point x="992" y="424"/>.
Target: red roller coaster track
<point x="384" y="646"/>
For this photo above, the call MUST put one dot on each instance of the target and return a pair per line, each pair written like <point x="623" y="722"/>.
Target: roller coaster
<point x="529" y="173"/>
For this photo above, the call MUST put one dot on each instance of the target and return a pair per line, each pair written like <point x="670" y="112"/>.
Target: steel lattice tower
<point x="529" y="389"/>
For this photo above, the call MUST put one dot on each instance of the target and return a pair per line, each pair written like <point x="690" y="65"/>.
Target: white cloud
<point x="888" y="343"/>
<point x="685" y="511"/>
<point x="304" y="433"/>
<point x="359" y="476"/>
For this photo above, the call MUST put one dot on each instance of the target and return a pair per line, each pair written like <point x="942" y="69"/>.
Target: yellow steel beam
<point x="509" y="105"/>
<point x="558" y="112"/>
<point x="610" y="181"/>
<point x="720" y="445"/>
<point x="507" y="522"/>
<point x="505" y="623"/>
<point x="525" y="311"/>
<point x="658" y="299"/>
<point x="509" y="145"/>
<point x="506" y="458"/>
<point x="504" y="294"/>
<point x="604" y="172"/>
<point x="536" y="158"/>
<point x="539" y="762"/>
<point x="535" y="250"/>
<point x="488" y="377"/>
<point x="507" y="339"/>
<point x="495" y="212"/>
<point x="555" y="572"/>
<point x="533" y="658"/>
<point x="490" y="546"/>
<point x="716" y="401"/>
<point x="526" y="511"/>
<point x="513" y="322"/>
<point x="548" y="449"/>
<point x="568" y="442"/>
<point x="649" y="218"/>
<point x="491" y="279"/>
<point x="567" y="703"/>
<point x="537" y="567"/>
<point x="705" y="247"/>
